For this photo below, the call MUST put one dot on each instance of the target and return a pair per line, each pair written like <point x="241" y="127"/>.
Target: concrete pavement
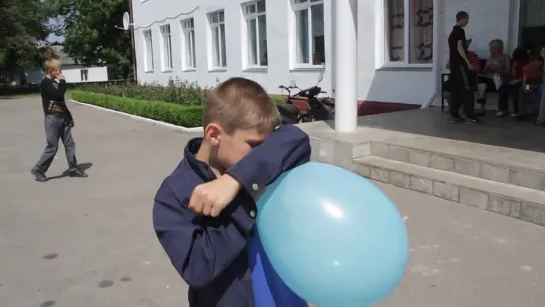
<point x="89" y="242"/>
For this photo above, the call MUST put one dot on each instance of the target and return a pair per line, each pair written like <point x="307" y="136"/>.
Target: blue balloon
<point x="332" y="236"/>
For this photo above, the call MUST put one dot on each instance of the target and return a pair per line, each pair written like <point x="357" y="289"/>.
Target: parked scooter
<point x="319" y="108"/>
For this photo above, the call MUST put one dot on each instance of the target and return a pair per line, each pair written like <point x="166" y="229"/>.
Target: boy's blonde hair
<point x="240" y="104"/>
<point x="51" y="64"/>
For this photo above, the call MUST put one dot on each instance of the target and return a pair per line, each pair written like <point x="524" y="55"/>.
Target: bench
<point x="444" y="76"/>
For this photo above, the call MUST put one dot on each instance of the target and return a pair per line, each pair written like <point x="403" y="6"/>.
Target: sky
<point x="52" y="37"/>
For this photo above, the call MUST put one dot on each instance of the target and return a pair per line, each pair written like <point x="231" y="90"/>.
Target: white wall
<point x="278" y="71"/>
<point x="94" y="74"/>
<point x="377" y="81"/>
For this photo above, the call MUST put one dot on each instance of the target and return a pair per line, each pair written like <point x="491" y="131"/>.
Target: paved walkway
<point x="89" y="242"/>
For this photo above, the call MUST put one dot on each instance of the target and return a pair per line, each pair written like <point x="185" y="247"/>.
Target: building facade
<point x="402" y="45"/>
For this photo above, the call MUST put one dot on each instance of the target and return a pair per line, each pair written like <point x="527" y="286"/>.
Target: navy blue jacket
<point x="211" y="253"/>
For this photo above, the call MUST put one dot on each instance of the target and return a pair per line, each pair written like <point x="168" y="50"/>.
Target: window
<point x="188" y="48"/>
<point x="256" y="30"/>
<point x="410" y="31"/>
<point x="166" y="48"/>
<point x="217" y="28"/>
<point x="309" y="32"/>
<point x="148" y="51"/>
<point x="84" y="74"/>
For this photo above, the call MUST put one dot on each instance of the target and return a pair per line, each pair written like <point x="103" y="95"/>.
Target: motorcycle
<point x="319" y="108"/>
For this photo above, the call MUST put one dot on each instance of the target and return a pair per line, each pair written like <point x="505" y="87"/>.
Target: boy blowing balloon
<point x="204" y="212"/>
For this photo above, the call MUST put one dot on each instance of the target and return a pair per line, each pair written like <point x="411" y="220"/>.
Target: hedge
<point x="177" y="114"/>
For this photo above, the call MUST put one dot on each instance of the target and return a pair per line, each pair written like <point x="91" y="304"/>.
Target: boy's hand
<point x="212" y="197"/>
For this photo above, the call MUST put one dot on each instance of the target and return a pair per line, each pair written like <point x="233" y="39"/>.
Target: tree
<point x="91" y="36"/>
<point x="23" y="29"/>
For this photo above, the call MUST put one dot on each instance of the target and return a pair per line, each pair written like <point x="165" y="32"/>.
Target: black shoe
<point x="457" y="119"/>
<point x="77" y="173"/>
<point x="38" y="175"/>
<point x="472" y="121"/>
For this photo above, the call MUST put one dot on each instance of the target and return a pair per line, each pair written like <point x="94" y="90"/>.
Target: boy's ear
<point x="212" y="134"/>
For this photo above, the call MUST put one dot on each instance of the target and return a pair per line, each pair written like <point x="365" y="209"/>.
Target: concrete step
<point x="476" y="163"/>
<point x="507" y="199"/>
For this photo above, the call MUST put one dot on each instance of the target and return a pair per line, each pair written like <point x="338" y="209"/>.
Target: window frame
<point x="295" y="7"/>
<point x="84" y="72"/>
<point x="164" y="54"/>
<point x="188" y="30"/>
<point x="382" y="39"/>
<point x="149" y="64"/>
<point x="211" y="26"/>
<point x="246" y="17"/>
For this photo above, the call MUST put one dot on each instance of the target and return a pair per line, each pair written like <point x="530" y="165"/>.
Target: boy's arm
<point x="52" y="93"/>
<point x="200" y="248"/>
<point x="286" y="148"/>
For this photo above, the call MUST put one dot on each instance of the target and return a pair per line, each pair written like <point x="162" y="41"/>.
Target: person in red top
<point x="473" y="58"/>
<point x="520" y="60"/>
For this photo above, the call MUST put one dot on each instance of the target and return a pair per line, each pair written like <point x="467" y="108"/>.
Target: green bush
<point x="176" y="91"/>
<point x="278" y="99"/>
<point x="176" y="114"/>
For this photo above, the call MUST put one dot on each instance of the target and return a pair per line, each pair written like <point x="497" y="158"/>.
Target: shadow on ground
<point x="82" y="166"/>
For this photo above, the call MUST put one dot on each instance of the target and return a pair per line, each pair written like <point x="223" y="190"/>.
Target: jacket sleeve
<point x="52" y="93"/>
<point x="200" y="248"/>
<point x="286" y="148"/>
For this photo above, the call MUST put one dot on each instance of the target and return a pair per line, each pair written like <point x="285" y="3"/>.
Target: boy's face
<point x="231" y="148"/>
<point x="56" y="69"/>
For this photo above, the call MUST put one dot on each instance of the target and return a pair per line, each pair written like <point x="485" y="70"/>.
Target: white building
<point x="77" y="73"/>
<point x="276" y="41"/>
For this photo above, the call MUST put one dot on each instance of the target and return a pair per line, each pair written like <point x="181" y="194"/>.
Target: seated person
<point x="527" y="89"/>
<point x="475" y="62"/>
<point x="486" y="83"/>
<point x="498" y="65"/>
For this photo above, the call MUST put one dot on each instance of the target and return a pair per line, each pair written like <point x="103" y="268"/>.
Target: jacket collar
<point x="200" y="168"/>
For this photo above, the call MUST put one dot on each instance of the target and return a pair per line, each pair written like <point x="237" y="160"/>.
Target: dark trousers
<point x="505" y="91"/>
<point x="462" y="91"/>
<point x="57" y="127"/>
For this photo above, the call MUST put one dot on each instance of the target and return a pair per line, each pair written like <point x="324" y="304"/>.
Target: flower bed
<point x="176" y="91"/>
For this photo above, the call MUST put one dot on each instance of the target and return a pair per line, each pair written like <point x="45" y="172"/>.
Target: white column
<point x="346" y="65"/>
